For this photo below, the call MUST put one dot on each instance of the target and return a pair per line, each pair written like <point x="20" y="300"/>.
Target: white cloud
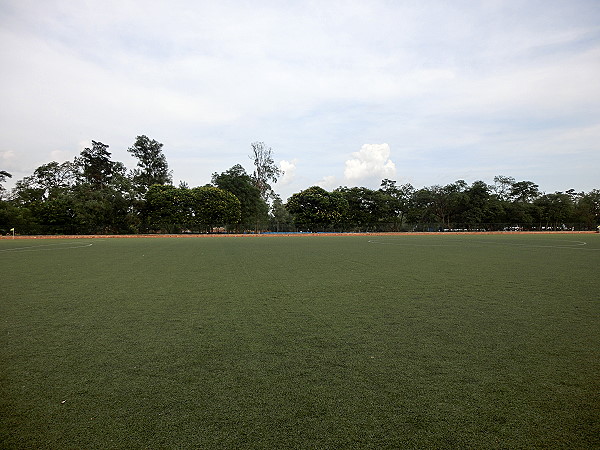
<point x="371" y="161"/>
<point x="60" y="155"/>
<point x="7" y="156"/>
<point x="289" y="171"/>
<point x="328" y="183"/>
<point x="83" y="144"/>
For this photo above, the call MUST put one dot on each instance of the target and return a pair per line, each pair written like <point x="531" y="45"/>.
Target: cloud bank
<point x="371" y="161"/>
<point x="289" y="171"/>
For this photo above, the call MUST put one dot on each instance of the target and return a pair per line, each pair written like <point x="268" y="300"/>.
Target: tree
<point x="214" y="207"/>
<point x="366" y="208"/>
<point x="421" y="211"/>
<point x="107" y="210"/>
<point x="26" y="192"/>
<point x="265" y="169"/>
<point x="61" y="214"/>
<point x="49" y="180"/>
<point x="3" y="176"/>
<point x="280" y="218"/>
<point x="588" y="208"/>
<point x="96" y="167"/>
<point x="18" y="217"/>
<point x="168" y="209"/>
<point x="315" y="208"/>
<point x="440" y="205"/>
<point x="47" y="195"/>
<point x="477" y="198"/>
<point x="103" y="194"/>
<point x="521" y="213"/>
<point x="448" y="202"/>
<point x="555" y="209"/>
<point x="399" y="200"/>
<point x="173" y="209"/>
<point x="503" y="186"/>
<point x="524" y="191"/>
<point x="254" y="209"/>
<point x="152" y="167"/>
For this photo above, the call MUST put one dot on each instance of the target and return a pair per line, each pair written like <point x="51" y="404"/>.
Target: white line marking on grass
<point x="573" y="245"/>
<point x="44" y="247"/>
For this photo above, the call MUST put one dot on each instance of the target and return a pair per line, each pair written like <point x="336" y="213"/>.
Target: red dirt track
<point x="113" y="236"/>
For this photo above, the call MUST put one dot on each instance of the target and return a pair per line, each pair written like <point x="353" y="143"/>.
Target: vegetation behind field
<point x="95" y="195"/>
<point x="446" y="341"/>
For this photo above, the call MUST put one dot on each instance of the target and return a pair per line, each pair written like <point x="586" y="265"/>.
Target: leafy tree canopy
<point x="152" y="167"/>
<point x="96" y="167"/>
<point x="213" y="206"/>
<point x="315" y="208"/>
<point x="239" y="183"/>
<point x="265" y="169"/>
<point x="4" y="175"/>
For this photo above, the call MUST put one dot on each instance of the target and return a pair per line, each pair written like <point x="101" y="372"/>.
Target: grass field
<point x="448" y="341"/>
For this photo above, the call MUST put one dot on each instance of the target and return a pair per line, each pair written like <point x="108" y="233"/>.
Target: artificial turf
<point x="448" y="341"/>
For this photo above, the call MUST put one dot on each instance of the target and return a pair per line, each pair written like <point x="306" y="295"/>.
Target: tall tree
<point x="3" y="176"/>
<point x="103" y="196"/>
<point x="152" y="167"/>
<point x="524" y="191"/>
<point x="96" y="166"/>
<point x="503" y="186"/>
<point x="265" y="169"/>
<point x="254" y="209"/>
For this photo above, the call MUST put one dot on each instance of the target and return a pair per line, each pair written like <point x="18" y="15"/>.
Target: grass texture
<point x="448" y="341"/>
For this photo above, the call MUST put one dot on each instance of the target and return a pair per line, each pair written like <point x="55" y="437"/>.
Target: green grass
<point x="301" y="342"/>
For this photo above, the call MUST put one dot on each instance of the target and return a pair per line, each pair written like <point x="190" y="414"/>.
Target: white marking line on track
<point x="575" y="245"/>
<point x="36" y="248"/>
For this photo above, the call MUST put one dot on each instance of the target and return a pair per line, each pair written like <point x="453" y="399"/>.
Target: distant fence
<point x="420" y="227"/>
<point x="380" y="227"/>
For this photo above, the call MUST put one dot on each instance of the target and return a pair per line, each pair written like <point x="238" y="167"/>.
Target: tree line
<point x="505" y="205"/>
<point x="95" y="195"/>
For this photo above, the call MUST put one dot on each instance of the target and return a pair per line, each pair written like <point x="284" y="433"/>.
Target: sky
<point x="346" y="93"/>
